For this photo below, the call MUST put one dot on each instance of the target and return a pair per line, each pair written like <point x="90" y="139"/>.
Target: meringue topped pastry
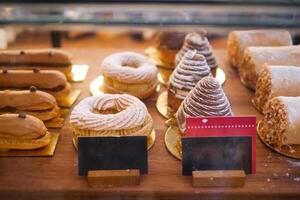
<point x="206" y="99"/>
<point x="195" y="41"/>
<point x="189" y="71"/>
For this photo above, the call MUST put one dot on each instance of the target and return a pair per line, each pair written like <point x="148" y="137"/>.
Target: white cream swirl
<point x="129" y="67"/>
<point x="131" y="112"/>
<point x="195" y="41"/>
<point x="189" y="71"/>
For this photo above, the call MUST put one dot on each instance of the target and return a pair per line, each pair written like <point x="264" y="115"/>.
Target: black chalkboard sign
<point x="216" y="153"/>
<point x="110" y="153"/>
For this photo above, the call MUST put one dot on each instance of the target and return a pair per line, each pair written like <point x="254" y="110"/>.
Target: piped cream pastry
<point x="21" y="131"/>
<point x="36" y="103"/>
<point x="276" y="81"/>
<point x="281" y="123"/>
<point x="199" y="42"/>
<point x="129" y="73"/>
<point x="111" y="115"/>
<point x="256" y="57"/>
<point x="50" y="81"/>
<point x="206" y="99"/>
<point x="238" y="41"/>
<point x="189" y="71"/>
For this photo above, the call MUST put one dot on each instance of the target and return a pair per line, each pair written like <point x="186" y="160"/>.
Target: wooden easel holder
<point x="113" y="178"/>
<point x="218" y="178"/>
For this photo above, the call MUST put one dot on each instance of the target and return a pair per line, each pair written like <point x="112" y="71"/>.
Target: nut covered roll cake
<point x="276" y="81"/>
<point x="206" y="99"/>
<point x="255" y="57"/>
<point x="281" y="123"/>
<point x="189" y="71"/>
<point x="238" y="41"/>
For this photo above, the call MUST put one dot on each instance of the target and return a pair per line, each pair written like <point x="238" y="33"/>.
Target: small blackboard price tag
<point x="219" y="143"/>
<point x="112" y="153"/>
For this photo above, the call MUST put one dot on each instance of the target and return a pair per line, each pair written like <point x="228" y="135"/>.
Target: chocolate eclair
<point x="36" y="103"/>
<point x="50" y="81"/>
<point x="21" y="131"/>
<point x="53" y="59"/>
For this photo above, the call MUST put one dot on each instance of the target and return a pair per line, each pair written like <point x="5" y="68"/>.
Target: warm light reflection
<point x="96" y="85"/>
<point x="220" y="76"/>
<point x="79" y="72"/>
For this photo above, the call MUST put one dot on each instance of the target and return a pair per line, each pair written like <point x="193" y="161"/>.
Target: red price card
<point x="240" y="126"/>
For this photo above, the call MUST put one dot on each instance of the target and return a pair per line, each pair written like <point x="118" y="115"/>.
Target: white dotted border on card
<point x="222" y="126"/>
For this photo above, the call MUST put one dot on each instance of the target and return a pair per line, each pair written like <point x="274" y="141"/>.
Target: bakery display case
<point x="149" y="99"/>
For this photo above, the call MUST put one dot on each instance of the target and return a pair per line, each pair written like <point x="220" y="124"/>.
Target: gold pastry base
<point x="162" y="106"/>
<point x="152" y="53"/>
<point x="96" y="86"/>
<point x="164" y="75"/>
<point x="219" y="74"/>
<point x="44" y="151"/>
<point x="150" y="141"/>
<point x="172" y="141"/>
<point x="68" y="100"/>
<point x="78" y="73"/>
<point x="285" y="150"/>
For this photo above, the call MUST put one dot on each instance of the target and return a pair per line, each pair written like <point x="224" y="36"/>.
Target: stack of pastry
<point x="238" y="41"/>
<point x="36" y="103"/>
<point x="167" y="45"/>
<point x="189" y="71"/>
<point x="206" y="99"/>
<point x="195" y="41"/>
<point x="280" y="125"/>
<point x="50" y="81"/>
<point x="53" y="59"/>
<point x="276" y="81"/>
<point x="21" y="131"/>
<point x="111" y="115"/>
<point x="255" y="57"/>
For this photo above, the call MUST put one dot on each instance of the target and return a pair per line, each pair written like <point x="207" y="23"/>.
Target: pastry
<point x="36" y="103"/>
<point x="168" y="43"/>
<point x="255" y="57"/>
<point x="199" y="42"/>
<point x="276" y="81"/>
<point x="238" y="41"/>
<point x="21" y="131"/>
<point x="50" y="81"/>
<point x="189" y="71"/>
<point x="206" y="99"/>
<point x="280" y="125"/>
<point x="53" y="59"/>
<point x="111" y="115"/>
<point x="129" y="73"/>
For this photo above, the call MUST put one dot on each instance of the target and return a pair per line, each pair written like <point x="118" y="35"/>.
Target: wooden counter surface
<point x="56" y="177"/>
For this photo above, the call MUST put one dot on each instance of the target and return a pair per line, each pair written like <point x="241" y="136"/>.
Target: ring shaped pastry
<point x="129" y="73"/>
<point x="111" y="115"/>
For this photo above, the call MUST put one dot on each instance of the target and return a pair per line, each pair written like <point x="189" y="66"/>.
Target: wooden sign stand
<point x="218" y="178"/>
<point x="113" y="178"/>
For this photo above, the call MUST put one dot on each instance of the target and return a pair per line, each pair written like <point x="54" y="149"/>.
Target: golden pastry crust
<point x="36" y="103"/>
<point x="22" y="132"/>
<point x="173" y="101"/>
<point x="238" y="41"/>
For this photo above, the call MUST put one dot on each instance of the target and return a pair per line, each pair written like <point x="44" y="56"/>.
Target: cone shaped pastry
<point x="276" y="81"/>
<point x="206" y="99"/>
<point x="190" y="70"/>
<point x="238" y="41"/>
<point x="280" y="125"/>
<point x="195" y="41"/>
<point x="256" y="57"/>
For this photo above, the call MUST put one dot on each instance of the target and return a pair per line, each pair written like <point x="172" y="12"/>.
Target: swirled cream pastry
<point x="129" y="73"/>
<point x="276" y="81"/>
<point x="281" y="123"/>
<point x="111" y="115"/>
<point x="189" y="71"/>
<point x="206" y="99"/>
<point x="195" y="41"/>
